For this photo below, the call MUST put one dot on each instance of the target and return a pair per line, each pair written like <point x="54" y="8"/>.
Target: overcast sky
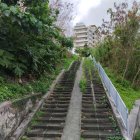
<point x="93" y="11"/>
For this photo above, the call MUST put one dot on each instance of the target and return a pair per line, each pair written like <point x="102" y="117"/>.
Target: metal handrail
<point x="113" y="93"/>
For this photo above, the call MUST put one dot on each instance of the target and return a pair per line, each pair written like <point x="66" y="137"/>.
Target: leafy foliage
<point x="30" y="43"/>
<point x="11" y="90"/>
<point x="128" y="94"/>
<point x="120" y="49"/>
<point x="83" y="52"/>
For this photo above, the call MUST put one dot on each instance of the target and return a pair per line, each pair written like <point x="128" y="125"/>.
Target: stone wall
<point x="12" y="113"/>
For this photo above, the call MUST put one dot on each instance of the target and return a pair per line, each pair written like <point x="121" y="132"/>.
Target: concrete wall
<point x="134" y="120"/>
<point x="12" y="113"/>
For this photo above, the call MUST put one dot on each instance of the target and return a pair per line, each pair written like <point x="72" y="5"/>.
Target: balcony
<point x="81" y="32"/>
<point x="82" y="36"/>
<point x="81" y="41"/>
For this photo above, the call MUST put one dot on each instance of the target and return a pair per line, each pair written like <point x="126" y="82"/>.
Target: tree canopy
<point x="30" y="42"/>
<point x="120" y="49"/>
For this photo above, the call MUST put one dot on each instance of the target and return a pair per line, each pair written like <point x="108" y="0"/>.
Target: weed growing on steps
<point x="82" y="84"/>
<point x="88" y="66"/>
<point x="115" y="138"/>
<point x="87" y="74"/>
<point x="33" y="122"/>
<point x="104" y="99"/>
<point x="111" y="118"/>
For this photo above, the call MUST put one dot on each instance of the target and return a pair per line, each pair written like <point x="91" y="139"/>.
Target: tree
<point x="121" y="41"/>
<point x="30" y="43"/>
<point x="83" y="52"/>
<point x="65" y="14"/>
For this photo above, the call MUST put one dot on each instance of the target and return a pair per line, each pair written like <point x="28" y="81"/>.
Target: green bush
<point x="120" y="48"/>
<point x="13" y="90"/>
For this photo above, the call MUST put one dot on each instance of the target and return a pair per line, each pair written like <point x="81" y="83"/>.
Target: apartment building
<point x="84" y="35"/>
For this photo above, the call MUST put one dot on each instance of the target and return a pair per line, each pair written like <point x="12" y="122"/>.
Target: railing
<point x="113" y="93"/>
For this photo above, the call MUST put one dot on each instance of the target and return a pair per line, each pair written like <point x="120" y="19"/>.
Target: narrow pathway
<point x="73" y="122"/>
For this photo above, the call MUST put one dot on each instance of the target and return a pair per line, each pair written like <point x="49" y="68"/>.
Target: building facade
<point x="84" y="35"/>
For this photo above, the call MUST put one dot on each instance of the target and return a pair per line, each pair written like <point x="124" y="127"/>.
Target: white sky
<point x="83" y="8"/>
<point x="93" y="11"/>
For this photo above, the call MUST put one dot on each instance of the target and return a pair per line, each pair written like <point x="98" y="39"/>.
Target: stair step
<point x="87" y="96"/>
<point x="55" y="114"/>
<point x="56" y="110"/>
<point x="57" y="96"/>
<point x="48" y="126"/>
<point x="92" y="120"/>
<point x="61" y="92"/>
<point x="56" y="105"/>
<point x="87" y="93"/>
<point x="98" y="134"/>
<point x="93" y="115"/>
<point x="61" y="95"/>
<point x="86" y="105"/>
<point x="41" y="138"/>
<point x="50" y="120"/>
<point x="59" y="99"/>
<point x="99" y="97"/>
<point x="95" y="110"/>
<point x="88" y="102"/>
<point x="57" y="102"/>
<point x="98" y="127"/>
<point x="101" y="106"/>
<point x="48" y="134"/>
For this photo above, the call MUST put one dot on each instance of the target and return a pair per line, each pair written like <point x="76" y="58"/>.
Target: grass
<point x="82" y="84"/>
<point x="88" y="66"/>
<point x="137" y="136"/>
<point x="12" y="90"/>
<point x="127" y="92"/>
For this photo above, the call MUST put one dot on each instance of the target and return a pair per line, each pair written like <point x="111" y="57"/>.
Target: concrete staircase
<point x="50" y="120"/>
<point x="98" y="121"/>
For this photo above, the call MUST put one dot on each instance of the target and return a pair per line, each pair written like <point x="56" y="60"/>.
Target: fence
<point x="113" y="93"/>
